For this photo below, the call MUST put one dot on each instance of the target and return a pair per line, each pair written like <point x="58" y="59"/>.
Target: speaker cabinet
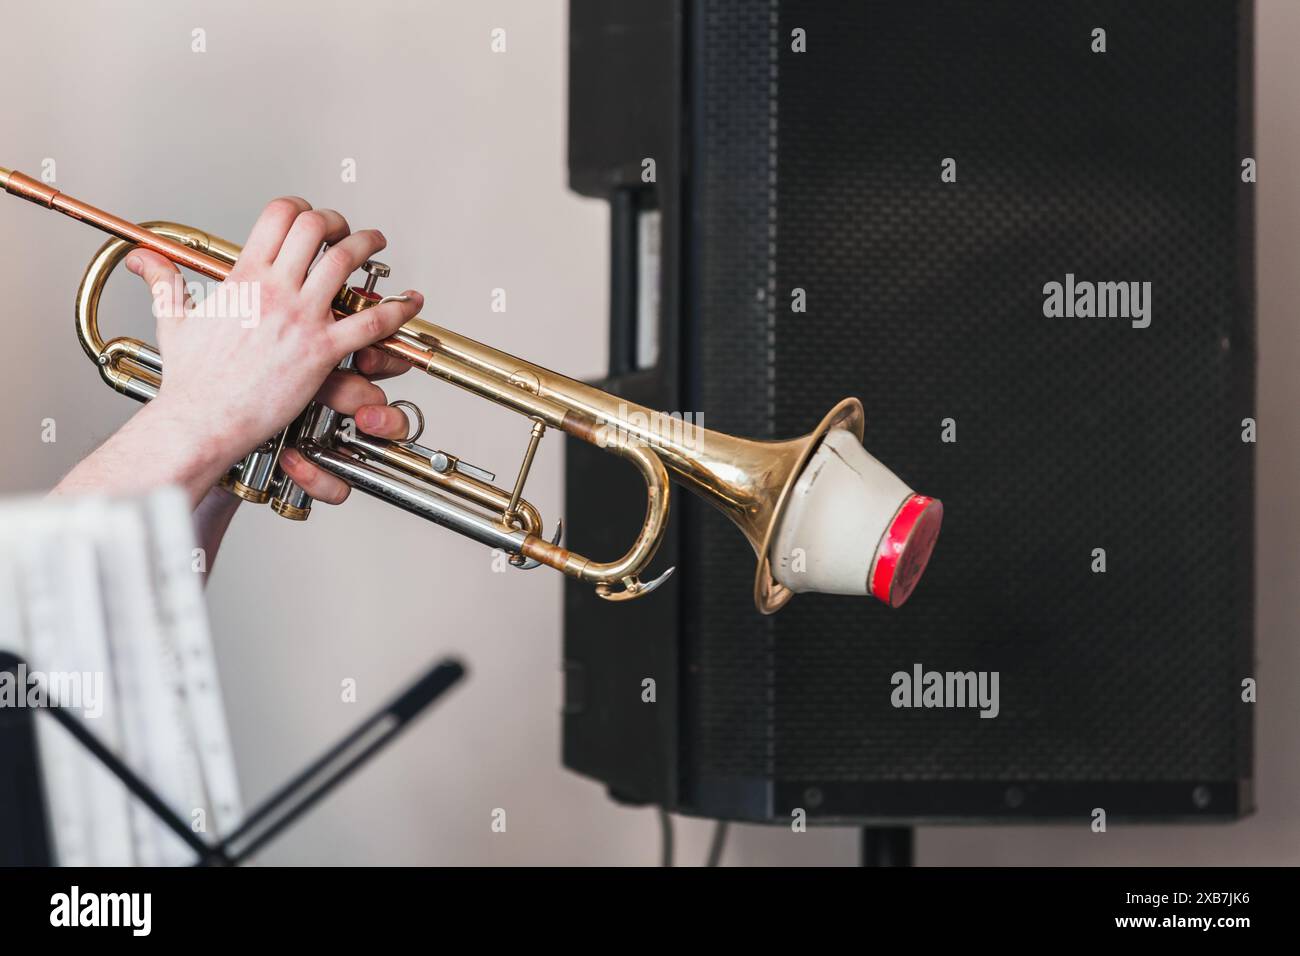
<point x="1027" y="246"/>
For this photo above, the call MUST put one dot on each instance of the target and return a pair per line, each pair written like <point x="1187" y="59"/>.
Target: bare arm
<point x="154" y="448"/>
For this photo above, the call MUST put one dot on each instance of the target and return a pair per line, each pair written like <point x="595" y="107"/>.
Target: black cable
<point x="666" y="837"/>
<point x="718" y="844"/>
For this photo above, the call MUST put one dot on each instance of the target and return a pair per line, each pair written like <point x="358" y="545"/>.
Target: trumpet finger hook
<point x="633" y="587"/>
<point x="414" y="409"/>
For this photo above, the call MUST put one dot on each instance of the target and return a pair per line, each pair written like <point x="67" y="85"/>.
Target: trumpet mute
<point x="854" y="527"/>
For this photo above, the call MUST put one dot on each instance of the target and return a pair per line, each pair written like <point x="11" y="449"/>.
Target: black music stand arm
<point x="298" y="795"/>
<point x="311" y="785"/>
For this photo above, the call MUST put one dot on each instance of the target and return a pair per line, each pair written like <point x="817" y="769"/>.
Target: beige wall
<point x="460" y="157"/>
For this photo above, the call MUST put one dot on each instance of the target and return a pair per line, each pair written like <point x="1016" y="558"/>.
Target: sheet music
<point x="107" y="587"/>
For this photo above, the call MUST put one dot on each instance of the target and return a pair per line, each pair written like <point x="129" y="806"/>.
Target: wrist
<point x="210" y="438"/>
<point x="187" y="448"/>
<point x="158" y="446"/>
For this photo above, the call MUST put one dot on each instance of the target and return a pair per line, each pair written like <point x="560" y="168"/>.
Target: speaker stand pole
<point x="887" y="846"/>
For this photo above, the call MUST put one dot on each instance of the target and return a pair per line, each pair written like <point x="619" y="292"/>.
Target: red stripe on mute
<point x="905" y="547"/>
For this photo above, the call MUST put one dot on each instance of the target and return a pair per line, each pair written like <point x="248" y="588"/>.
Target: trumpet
<point x="819" y="511"/>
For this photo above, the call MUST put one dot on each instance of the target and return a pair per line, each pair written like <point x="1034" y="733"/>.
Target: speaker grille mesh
<point x="925" y="299"/>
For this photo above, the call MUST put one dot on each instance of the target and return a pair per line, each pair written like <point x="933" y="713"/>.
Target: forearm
<point x="154" y="449"/>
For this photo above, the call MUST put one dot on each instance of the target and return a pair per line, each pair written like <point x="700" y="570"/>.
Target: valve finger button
<point x="374" y="272"/>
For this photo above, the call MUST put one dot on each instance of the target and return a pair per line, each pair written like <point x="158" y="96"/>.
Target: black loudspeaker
<point x="931" y="205"/>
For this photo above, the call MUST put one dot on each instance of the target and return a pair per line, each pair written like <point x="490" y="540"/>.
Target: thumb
<point x="164" y="281"/>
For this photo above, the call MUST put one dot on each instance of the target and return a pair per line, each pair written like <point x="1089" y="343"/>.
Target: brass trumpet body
<point x="748" y="480"/>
